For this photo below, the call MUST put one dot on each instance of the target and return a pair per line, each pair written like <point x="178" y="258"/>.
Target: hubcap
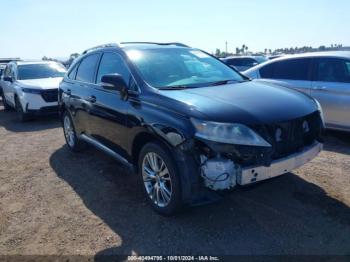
<point x="156" y="179"/>
<point x="68" y="131"/>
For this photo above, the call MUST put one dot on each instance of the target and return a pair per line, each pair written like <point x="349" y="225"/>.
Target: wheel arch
<point x="140" y="140"/>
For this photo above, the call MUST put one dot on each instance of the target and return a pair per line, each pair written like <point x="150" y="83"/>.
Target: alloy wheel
<point x="68" y="131"/>
<point x="157" y="180"/>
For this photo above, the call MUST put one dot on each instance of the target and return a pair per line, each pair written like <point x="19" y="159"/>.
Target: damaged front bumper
<point x="221" y="171"/>
<point x="249" y="175"/>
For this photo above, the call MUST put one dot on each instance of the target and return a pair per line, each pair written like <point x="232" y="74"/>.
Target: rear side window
<point x="73" y="72"/>
<point x="333" y="70"/>
<point x="112" y="63"/>
<point x="267" y="71"/>
<point x="86" y="70"/>
<point x="291" y="69"/>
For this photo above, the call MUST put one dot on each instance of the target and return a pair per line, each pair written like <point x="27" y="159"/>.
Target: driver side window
<point x="7" y="72"/>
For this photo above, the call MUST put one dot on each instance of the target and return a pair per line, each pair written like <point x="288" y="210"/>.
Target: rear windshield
<point x="37" y="71"/>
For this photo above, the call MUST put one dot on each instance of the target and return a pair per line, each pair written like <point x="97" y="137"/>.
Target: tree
<point x="237" y="51"/>
<point x="322" y="48"/>
<point x="243" y="48"/>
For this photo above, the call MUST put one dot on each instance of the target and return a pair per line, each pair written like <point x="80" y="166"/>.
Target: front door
<point x="8" y="88"/>
<point x="332" y="89"/>
<point x="108" y="112"/>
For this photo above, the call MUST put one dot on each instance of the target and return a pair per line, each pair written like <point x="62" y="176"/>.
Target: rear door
<point x="80" y="92"/>
<point x="108" y="114"/>
<point x="331" y="87"/>
<point x="292" y="73"/>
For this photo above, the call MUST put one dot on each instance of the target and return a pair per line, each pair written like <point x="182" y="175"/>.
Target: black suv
<point x="189" y="125"/>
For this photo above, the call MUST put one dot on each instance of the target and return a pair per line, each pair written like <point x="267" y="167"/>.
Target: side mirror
<point x="8" y="79"/>
<point x="113" y="82"/>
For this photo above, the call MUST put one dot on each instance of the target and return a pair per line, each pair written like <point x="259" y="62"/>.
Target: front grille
<point x="50" y="95"/>
<point x="290" y="137"/>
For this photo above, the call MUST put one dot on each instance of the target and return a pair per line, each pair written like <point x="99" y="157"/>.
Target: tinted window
<point x="333" y="70"/>
<point x="292" y="69"/>
<point x="86" y="70"/>
<point x="171" y="67"/>
<point x="37" y="71"/>
<point x="112" y="63"/>
<point x="267" y="71"/>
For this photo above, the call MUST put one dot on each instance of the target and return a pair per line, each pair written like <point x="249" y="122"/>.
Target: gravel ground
<point x="56" y="202"/>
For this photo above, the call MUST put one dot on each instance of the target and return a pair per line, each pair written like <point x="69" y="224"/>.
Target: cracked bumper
<point x="279" y="167"/>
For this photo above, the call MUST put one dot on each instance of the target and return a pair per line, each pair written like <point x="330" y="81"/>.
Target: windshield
<point x="36" y="71"/>
<point x="166" y="68"/>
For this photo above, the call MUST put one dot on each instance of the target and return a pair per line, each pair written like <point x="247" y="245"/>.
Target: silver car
<point x="325" y="76"/>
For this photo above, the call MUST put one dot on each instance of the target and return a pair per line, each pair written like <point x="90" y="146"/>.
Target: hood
<point x="248" y="103"/>
<point x="43" y="83"/>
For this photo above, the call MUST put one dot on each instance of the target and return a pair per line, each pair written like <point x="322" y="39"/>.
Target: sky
<point x="57" y="28"/>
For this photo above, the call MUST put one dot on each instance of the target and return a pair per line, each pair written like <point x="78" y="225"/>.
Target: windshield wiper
<point x="178" y="87"/>
<point x="225" y="82"/>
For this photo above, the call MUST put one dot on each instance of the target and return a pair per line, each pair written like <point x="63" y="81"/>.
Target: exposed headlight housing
<point x="31" y="91"/>
<point x="319" y="108"/>
<point x="227" y="133"/>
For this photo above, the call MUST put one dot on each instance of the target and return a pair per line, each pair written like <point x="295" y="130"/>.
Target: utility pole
<point x="226" y="47"/>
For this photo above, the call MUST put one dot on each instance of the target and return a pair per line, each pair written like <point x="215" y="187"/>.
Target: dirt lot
<point x="56" y="202"/>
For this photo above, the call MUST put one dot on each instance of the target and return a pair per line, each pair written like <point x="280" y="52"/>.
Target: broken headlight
<point x="228" y="133"/>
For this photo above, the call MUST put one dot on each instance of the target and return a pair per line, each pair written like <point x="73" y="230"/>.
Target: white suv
<point x="31" y="87"/>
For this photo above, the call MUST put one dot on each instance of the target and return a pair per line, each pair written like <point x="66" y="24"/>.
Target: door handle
<point x="91" y="99"/>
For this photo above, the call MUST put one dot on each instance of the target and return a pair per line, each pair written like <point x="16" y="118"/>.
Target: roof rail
<point x="156" y="43"/>
<point x="100" y="46"/>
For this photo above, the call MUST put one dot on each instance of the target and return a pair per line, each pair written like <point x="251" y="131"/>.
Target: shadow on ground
<point x="286" y="215"/>
<point x="9" y="121"/>
<point x="337" y="141"/>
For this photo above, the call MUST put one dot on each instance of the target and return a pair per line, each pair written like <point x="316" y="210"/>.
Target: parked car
<point x="325" y="76"/>
<point x="31" y="87"/>
<point x="242" y="63"/>
<point x="188" y="124"/>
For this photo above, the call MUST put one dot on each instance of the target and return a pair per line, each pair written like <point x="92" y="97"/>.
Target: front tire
<point x="160" y="179"/>
<point x="72" y="141"/>
<point x="4" y="102"/>
<point x="21" y="115"/>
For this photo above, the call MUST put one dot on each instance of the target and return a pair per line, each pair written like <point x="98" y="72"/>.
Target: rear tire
<point x="72" y="141"/>
<point x="160" y="179"/>
<point x="21" y="115"/>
